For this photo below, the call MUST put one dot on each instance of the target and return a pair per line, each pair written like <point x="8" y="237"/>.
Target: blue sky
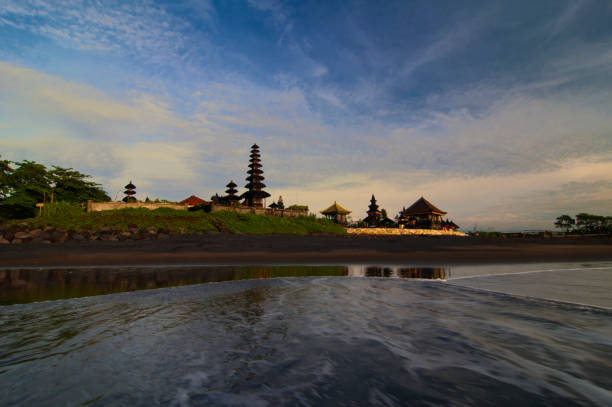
<point x="498" y="112"/>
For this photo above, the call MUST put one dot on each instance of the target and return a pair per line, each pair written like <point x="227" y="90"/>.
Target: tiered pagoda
<point x="255" y="195"/>
<point x="421" y="215"/>
<point x="130" y="191"/>
<point x="336" y="213"/>
<point x="231" y="197"/>
<point x="373" y="218"/>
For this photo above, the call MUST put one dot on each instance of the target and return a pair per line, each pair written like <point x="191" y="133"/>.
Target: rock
<point x="78" y="237"/>
<point x="16" y="241"/>
<point x="94" y="237"/>
<point x="104" y="229"/>
<point x="4" y="241"/>
<point x="109" y="237"/>
<point x="21" y="235"/>
<point x="162" y="236"/>
<point x="151" y="230"/>
<point x="58" y="236"/>
<point x="49" y="228"/>
<point x="125" y="235"/>
<point x="35" y="232"/>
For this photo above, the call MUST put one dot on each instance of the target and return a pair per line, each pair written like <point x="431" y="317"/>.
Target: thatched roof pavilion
<point x="336" y="213"/>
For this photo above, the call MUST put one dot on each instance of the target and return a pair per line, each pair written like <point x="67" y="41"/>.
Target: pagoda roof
<point x="130" y="186"/>
<point x="335" y="209"/>
<point x="231" y="184"/>
<point x="255" y="184"/>
<point x="254" y="194"/>
<point x="422" y="206"/>
<point x="193" y="200"/>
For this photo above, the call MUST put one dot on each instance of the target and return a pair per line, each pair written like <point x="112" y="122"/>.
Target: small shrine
<point x="130" y="191"/>
<point x="450" y="225"/>
<point x="336" y="213"/>
<point x="254" y="195"/>
<point x="277" y="205"/>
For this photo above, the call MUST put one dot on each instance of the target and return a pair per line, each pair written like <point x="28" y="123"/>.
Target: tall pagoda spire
<point x="254" y="195"/>
<point x="231" y="190"/>
<point x="373" y="218"/>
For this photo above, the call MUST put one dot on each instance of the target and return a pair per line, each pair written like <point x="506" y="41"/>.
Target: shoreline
<point x="229" y="249"/>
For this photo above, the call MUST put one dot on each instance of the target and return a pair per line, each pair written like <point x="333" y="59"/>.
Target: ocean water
<point x="351" y="335"/>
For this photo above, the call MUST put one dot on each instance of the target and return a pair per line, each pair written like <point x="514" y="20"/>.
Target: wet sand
<point x="289" y="249"/>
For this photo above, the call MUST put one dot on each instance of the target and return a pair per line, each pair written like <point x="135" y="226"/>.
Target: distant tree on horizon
<point x="585" y="223"/>
<point x="588" y="223"/>
<point x="565" y="222"/>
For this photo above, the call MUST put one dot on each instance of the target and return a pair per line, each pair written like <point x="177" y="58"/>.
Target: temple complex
<point x="373" y="218"/>
<point x="336" y="213"/>
<point x="421" y="215"/>
<point x="254" y="195"/>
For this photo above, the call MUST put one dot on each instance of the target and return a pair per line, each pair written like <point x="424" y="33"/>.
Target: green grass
<point x="73" y="217"/>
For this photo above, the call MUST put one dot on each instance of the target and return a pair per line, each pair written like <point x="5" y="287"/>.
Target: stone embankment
<point x="16" y="234"/>
<point x="396" y="231"/>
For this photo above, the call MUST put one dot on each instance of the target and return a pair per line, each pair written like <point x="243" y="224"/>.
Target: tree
<point x="588" y="223"/>
<point x="5" y="173"/>
<point x="565" y="222"/>
<point x="26" y="183"/>
<point x="72" y="186"/>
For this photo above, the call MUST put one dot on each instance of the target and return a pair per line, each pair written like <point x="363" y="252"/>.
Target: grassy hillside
<point x="72" y="217"/>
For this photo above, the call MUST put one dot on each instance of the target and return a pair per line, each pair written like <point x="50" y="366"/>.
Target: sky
<point x="499" y="113"/>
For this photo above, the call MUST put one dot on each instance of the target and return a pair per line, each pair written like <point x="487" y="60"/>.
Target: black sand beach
<point x="269" y="249"/>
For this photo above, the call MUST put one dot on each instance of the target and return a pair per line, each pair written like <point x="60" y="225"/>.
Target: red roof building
<point x="193" y="200"/>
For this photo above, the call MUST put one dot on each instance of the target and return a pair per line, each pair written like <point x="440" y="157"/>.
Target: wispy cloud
<point x="136" y="27"/>
<point x="565" y="18"/>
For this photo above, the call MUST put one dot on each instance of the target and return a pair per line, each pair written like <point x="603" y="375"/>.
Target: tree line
<point x="585" y="223"/>
<point x="26" y="183"/>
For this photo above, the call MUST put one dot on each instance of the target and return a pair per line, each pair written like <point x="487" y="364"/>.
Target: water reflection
<point x="30" y="285"/>
<point x="430" y="273"/>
